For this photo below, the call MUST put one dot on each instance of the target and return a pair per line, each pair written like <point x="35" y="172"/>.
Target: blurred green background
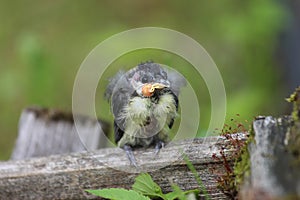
<point x="42" y="44"/>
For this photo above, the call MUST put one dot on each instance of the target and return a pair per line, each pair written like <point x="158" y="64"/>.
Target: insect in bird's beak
<point x="148" y="89"/>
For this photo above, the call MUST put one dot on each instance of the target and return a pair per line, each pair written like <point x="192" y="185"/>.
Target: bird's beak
<point x="157" y="86"/>
<point x="148" y="89"/>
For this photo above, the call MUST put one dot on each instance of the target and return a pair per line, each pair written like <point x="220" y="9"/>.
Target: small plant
<point x="229" y="181"/>
<point x="144" y="188"/>
<point x="198" y="179"/>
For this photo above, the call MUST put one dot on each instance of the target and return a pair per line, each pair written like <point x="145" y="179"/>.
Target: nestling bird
<point x="144" y="102"/>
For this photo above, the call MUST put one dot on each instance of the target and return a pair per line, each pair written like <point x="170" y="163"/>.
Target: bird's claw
<point x="158" y="146"/>
<point x="130" y="155"/>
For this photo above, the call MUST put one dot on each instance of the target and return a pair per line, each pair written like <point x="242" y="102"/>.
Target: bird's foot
<point x="130" y="155"/>
<point x="158" y="146"/>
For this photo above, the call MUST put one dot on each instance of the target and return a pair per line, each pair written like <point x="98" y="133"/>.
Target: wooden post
<point x="275" y="169"/>
<point x="44" y="132"/>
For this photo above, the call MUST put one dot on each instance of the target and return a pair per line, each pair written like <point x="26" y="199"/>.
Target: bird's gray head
<point x="147" y="77"/>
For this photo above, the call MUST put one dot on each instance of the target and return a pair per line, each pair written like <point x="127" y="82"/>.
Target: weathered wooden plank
<point x="67" y="176"/>
<point x="275" y="170"/>
<point x="44" y="132"/>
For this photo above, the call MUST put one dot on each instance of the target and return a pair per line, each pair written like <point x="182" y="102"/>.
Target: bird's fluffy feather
<point x="130" y="112"/>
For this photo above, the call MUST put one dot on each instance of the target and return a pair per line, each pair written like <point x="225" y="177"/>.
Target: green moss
<point x="295" y="99"/>
<point x="230" y="182"/>
<point x="242" y="164"/>
<point x="294" y="132"/>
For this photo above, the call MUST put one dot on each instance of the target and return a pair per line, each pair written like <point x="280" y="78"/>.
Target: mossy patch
<point x="239" y="164"/>
<point x="295" y="99"/>
<point x="242" y="163"/>
<point x="294" y="133"/>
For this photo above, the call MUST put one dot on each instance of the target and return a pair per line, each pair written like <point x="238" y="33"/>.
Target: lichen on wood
<point x="295" y="99"/>
<point x="293" y="135"/>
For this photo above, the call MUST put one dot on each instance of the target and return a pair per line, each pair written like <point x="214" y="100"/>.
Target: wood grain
<point x="67" y="176"/>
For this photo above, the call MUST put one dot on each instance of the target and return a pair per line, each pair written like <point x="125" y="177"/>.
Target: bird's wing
<point x="177" y="81"/>
<point x="118" y="92"/>
<point x="112" y="83"/>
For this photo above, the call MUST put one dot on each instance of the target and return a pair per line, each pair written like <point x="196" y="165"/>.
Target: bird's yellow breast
<point x="146" y="119"/>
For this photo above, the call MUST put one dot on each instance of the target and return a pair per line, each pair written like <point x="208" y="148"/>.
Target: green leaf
<point x="118" y="194"/>
<point x="195" y="191"/>
<point x="179" y="193"/>
<point x="171" y="195"/>
<point x="146" y="186"/>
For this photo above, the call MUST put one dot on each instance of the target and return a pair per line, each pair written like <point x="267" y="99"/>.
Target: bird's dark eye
<point x="145" y="79"/>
